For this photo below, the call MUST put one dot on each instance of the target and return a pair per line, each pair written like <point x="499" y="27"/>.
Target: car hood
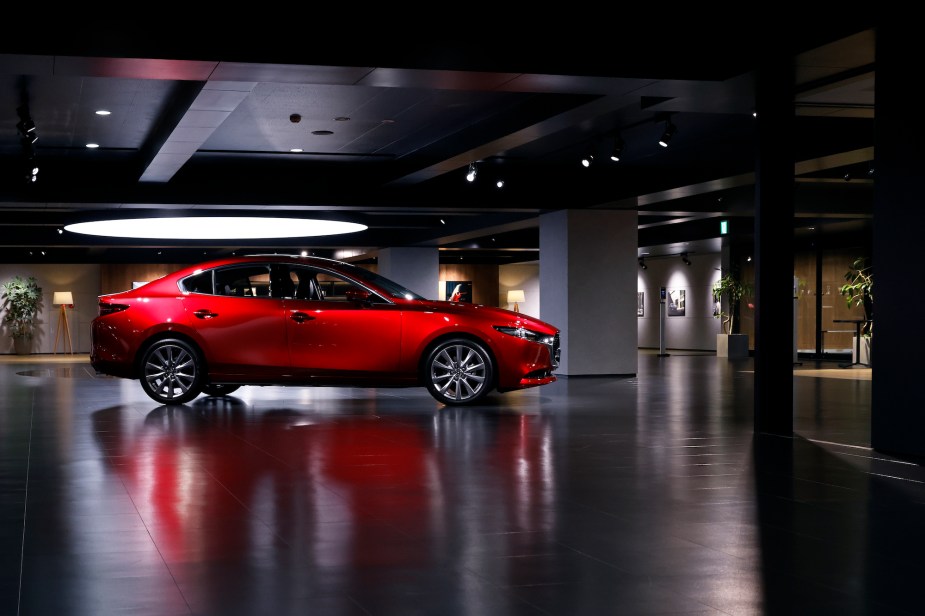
<point x="497" y="316"/>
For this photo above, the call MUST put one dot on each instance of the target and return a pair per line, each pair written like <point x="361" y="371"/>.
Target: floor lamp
<point x="64" y="299"/>
<point x="516" y="296"/>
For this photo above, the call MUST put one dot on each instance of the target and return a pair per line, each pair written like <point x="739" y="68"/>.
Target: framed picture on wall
<point x="459" y="291"/>
<point x="640" y="304"/>
<point x="677" y="302"/>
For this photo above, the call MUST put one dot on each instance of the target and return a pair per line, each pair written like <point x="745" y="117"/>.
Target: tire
<point x="458" y="372"/>
<point x="214" y="389"/>
<point x="171" y="372"/>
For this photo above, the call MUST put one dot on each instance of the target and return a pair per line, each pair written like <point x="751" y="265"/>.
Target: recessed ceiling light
<point x="93" y="145"/>
<point x="322" y="132"/>
<point x="341" y="119"/>
<point x="296" y="150"/>
<point x="214" y="228"/>
<point x="103" y="112"/>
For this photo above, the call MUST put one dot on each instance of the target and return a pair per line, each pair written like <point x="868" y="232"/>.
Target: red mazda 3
<point x="286" y="320"/>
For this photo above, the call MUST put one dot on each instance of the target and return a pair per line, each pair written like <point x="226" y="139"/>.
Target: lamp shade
<point x="63" y="297"/>
<point x="515" y="296"/>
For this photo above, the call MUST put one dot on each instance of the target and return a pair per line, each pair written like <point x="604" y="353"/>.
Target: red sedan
<point x="286" y="320"/>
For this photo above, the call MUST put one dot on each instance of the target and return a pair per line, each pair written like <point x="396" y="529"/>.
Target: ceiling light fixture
<point x="587" y="160"/>
<point x="642" y="263"/>
<point x="670" y="130"/>
<point x="93" y="146"/>
<point x="500" y="183"/>
<point x="27" y="139"/>
<point x="617" y="151"/>
<point x="685" y="259"/>
<point x="214" y="228"/>
<point x="102" y="112"/>
<point x="470" y="176"/>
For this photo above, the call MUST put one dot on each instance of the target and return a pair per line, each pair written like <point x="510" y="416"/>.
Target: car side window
<point x="337" y="289"/>
<point x="198" y="283"/>
<point x="246" y="281"/>
<point x="318" y="285"/>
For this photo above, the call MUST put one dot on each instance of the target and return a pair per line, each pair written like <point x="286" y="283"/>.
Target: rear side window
<point x="198" y="283"/>
<point x="243" y="281"/>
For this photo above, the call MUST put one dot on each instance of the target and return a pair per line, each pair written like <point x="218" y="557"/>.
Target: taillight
<point x="107" y="308"/>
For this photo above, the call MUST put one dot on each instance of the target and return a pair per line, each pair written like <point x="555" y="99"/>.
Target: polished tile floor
<point x="598" y="496"/>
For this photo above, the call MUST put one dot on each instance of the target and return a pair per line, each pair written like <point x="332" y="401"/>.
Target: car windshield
<point x="394" y="289"/>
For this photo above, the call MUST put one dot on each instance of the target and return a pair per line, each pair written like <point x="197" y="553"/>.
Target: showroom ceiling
<point x="204" y="122"/>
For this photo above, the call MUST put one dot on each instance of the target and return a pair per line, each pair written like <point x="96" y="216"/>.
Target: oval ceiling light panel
<point x="214" y="228"/>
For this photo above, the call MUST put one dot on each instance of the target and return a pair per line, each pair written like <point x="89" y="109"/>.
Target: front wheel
<point x="458" y="372"/>
<point x="171" y="372"/>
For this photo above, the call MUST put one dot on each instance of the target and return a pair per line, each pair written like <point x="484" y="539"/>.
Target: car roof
<point x="263" y="258"/>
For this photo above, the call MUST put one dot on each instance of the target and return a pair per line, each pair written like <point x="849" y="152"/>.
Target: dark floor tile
<point x="588" y="496"/>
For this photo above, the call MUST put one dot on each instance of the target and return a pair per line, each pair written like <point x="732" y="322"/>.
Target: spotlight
<point x="26" y="126"/>
<point x="670" y="130"/>
<point x="642" y="263"/>
<point x="587" y="160"/>
<point x="472" y="172"/>
<point x="685" y="259"/>
<point x="848" y="177"/>
<point x="617" y="149"/>
<point x="500" y="183"/>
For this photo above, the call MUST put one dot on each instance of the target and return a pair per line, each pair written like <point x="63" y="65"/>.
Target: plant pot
<point x="733" y="346"/>
<point x="22" y="345"/>
<point x="865" y="350"/>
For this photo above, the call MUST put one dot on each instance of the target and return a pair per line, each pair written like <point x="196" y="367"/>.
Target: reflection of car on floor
<point x="281" y="320"/>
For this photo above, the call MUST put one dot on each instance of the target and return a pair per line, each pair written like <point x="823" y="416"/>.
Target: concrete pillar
<point x="588" y="279"/>
<point x="417" y="268"/>
<point x="897" y="415"/>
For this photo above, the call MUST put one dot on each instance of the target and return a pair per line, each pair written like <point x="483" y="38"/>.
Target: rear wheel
<point x="171" y="372"/>
<point x="459" y="371"/>
<point x="218" y="389"/>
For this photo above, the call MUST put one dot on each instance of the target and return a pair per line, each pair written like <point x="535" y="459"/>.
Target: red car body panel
<point x="284" y="340"/>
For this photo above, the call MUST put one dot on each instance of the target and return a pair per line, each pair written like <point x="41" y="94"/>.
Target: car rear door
<point x="240" y="327"/>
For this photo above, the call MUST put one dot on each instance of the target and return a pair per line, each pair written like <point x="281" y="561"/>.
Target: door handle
<point x="300" y="317"/>
<point x="205" y="314"/>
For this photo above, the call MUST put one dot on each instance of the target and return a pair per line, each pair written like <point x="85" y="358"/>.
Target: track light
<point x="642" y="263"/>
<point x="685" y="259"/>
<point x="26" y="125"/>
<point x="670" y="130"/>
<point x="617" y="149"/>
<point x="472" y="172"/>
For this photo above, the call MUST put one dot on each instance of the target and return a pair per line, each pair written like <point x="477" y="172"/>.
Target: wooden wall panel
<point x="484" y="281"/>
<point x="804" y="268"/>
<point x="115" y="277"/>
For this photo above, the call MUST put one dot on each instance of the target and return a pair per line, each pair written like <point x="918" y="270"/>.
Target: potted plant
<point x="22" y="300"/>
<point x="859" y="291"/>
<point x="727" y="292"/>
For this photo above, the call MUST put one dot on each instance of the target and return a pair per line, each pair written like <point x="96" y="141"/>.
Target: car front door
<point x="337" y="330"/>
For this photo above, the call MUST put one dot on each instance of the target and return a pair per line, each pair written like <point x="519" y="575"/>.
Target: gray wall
<point x="416" y="268"/>
<point x="697" y="329"/>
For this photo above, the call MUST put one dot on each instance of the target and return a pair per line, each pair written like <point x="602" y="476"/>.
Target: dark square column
<point x="774" y="211"/>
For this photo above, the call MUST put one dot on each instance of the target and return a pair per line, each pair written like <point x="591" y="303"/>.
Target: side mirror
<point x="357" y="295"/>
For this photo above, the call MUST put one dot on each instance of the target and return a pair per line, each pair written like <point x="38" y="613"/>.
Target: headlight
<point x="526" y="334"/>
<point x="552" y="342"/>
